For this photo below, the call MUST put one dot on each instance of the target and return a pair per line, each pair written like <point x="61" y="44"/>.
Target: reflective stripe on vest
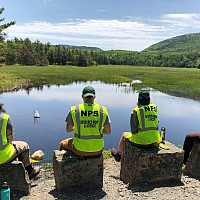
<point x="143" y="122"/>
<point x="87" y="137"/>
<point x="6" y="148"/>
<point x="3" y="124"/>
<point x="148" y="125"/>
<point x="88" y="123"/>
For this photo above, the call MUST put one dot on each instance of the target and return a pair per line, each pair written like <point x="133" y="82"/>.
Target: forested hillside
<point x="183" y="43"/>
<point x="81" y="47"/>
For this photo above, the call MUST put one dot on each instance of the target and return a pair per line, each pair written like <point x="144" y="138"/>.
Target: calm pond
<point x="178" y="115"/>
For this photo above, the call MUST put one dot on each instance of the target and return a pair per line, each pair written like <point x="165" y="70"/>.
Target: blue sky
<point x="107" y="24"/>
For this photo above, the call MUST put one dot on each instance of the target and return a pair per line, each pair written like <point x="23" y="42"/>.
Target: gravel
<point x="44" y="188"/>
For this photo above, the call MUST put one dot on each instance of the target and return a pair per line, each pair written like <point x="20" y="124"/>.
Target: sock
<point x="29" y="169"/>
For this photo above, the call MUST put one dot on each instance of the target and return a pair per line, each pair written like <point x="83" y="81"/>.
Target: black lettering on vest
<point x="146" y="108"/>
<point x="89" y="123"/>
<point x="90" y="112"/>
<point x="96" y="113"/>
<point x="83" y="113"/>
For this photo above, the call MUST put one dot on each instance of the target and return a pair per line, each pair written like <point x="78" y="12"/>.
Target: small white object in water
<point x="36" y="114"/>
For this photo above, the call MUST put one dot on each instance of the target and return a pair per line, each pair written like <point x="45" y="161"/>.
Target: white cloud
<point x="182" y="21"/>
<point x="182" y="16"/>
<point x="108" y="34"/>
<point x="97" y="28"/>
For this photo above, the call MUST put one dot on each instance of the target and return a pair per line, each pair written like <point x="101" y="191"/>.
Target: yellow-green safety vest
<point x="6" y="148"/>
<point x="148" y="125"/>
<point x="88" y="123"/>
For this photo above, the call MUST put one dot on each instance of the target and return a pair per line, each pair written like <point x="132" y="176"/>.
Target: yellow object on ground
<point x="164" y="146"/>
<point x="32" y="160"/>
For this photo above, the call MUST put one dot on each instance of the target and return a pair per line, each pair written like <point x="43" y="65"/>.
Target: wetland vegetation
<point x="176" y="81"/>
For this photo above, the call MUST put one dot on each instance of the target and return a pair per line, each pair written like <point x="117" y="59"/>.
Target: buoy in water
<point x="36" y="114"/>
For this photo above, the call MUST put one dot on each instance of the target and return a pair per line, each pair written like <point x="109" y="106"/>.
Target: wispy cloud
<point x="108" y="34"/>
<point x="182" y="21"/>
<point x="101" y="10"/>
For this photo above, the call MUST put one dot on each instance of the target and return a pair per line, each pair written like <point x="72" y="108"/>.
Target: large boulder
<point x="16" y="176"/>
<point x="150" y="164"/>
<point x="72" y="171"/>
<point x="193" y="164"/>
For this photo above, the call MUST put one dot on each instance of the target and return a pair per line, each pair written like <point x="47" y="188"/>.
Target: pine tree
<point x="4" y="26"/>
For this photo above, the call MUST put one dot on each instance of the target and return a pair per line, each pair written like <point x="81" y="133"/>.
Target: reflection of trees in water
<point x="2" y="107"/>
<point x="38" y="88"/>
<point x="28" y="90"/>
<point x="128" y="87"/>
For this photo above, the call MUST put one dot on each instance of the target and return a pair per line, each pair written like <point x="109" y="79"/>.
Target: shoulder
<point x="135" y="109"/>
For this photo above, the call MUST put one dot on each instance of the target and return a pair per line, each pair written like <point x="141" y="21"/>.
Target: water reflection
<point x="179" y="115"/>
<point x="36" y="120"/>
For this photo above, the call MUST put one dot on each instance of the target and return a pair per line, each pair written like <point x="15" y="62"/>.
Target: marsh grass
<point x="183" y="82"/>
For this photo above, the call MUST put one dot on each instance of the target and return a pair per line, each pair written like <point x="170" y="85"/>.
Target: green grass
<point x="176" y="81"/>
<point x="107" y="154"/>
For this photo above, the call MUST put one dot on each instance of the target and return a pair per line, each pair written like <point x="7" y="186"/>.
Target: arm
<point x="70" y="123"/>
<point x="134" y="122"/>
<point x="9" y="131"/>
<point x="107" y="129"/>
<point x="69" y="128"/>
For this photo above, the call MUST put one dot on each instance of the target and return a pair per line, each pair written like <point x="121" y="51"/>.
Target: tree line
<point x="25" y="52"/>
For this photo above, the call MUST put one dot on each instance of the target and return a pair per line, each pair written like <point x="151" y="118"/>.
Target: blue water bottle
<point x="5" y="191"/>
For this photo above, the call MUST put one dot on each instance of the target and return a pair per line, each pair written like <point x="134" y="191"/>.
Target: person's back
<point x="89" y="121"/>
<point x="147" y="129"/>
<point x="143" y="123"/>
<point x="10" y="149"/>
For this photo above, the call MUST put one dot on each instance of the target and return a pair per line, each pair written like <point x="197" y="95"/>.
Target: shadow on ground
<point x="146" y="187"/>
<point x="78" y="194"/>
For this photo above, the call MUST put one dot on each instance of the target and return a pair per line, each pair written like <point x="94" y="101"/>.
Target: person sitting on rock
<point x="144" y="125"/>
<point x="88" y="121"/>
<point x="10" y="150"/>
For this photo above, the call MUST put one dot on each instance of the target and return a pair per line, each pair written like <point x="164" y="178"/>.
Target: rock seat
<point x="193" y="164"/>
<point x="150" y="164"/>
<point x="16" y="176"/>
<point x="72" y="171"/>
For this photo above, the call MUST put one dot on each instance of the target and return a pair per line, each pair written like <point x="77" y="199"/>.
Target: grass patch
<point x="107" y="154"/>
<point x="183" y="82"/>
<point x="7" y="80"/>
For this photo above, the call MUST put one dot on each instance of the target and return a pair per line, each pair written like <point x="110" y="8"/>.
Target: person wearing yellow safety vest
<point x="144" y="125"/>
<point x="89" y="121"/>
<point x="9" y="149"/>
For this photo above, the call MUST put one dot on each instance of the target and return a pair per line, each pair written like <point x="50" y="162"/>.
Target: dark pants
<point x="188" y="144"/>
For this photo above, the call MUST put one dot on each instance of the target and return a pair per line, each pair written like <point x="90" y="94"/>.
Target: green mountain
<point x="81" y="47"/>
<point x="183" y="43"/>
